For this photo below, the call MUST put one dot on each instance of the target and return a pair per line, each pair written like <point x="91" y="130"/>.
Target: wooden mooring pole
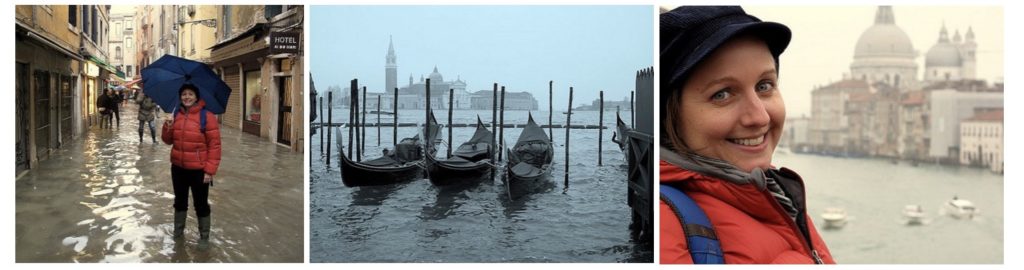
<point x="351" y="115"/>
<point x="426" y="122"/>
<point x="568" y="120"/>
<point x="551" y="109"/>
<point x="600" y="128"/>
<point x="451" y="95"/>
<point x="362" y="124"/>
<point x="494" y="128"/>
<point x="378" y="120"/>
<point x="394" y="129"/>
<point x="321" y="116"/>
<point x="330" y="99"/>
<point x="501" y="125"/>
<point x="355" y="111"/>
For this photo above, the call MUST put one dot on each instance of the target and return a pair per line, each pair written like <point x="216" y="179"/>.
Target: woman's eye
<point x="765" y="86"/>
<point x="721" y="95"/>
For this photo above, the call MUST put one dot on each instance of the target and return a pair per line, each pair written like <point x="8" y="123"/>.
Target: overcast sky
<point x="824" y="38"/>
<point x="521" y="47"/>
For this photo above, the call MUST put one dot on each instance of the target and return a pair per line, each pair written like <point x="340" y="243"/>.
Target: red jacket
<point x="191" y="149"/>
<point x="751" y="225"/>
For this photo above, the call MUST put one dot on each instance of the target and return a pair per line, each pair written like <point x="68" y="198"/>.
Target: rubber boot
<point x="204" y="233"/>
<point x="179" y="224"/>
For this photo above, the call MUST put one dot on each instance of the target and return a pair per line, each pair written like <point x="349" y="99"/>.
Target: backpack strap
<point x="700" y="235"/>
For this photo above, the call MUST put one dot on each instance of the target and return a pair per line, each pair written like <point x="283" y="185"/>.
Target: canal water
<point x="874" y="191"/>
<point x="417" y="222"/>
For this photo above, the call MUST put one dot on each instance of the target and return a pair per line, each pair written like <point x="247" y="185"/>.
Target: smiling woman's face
<point x="188" y="97"/>
<point x="731" y="108"/>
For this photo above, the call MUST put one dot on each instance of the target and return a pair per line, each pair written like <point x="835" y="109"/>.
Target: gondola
<point x="403" y="163"/>
<point x="471" y="161"/>
<point x="621" y="136"/>
<point x="529" y="161"/>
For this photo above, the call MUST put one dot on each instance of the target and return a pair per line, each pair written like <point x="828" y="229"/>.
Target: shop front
<point x="264" y="71"/>
<point x="45" y="85"/>
<point x="240" y="62"/>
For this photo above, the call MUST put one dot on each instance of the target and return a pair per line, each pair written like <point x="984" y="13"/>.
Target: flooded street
<point x="418" y="222"/>
<point x="106" y="197"/>
<point x="874" y="192"/>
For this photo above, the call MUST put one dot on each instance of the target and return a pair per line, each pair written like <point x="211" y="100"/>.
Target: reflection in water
<point x="447" y="200"/>
<point x="106" y="197"/>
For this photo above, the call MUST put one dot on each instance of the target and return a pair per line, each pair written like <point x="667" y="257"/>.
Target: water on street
<point x="418" y="222"/>
<point x="874" y="192"/>
<point x="106" y="197"/>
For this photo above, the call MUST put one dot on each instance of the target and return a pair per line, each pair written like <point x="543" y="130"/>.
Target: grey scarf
<point x="723" y="170"/>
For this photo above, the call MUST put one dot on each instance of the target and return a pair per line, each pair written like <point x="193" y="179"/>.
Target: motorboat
<point x="913" y="214"/>
<point x="835" y="218"/>
<point x="960" y="208"/>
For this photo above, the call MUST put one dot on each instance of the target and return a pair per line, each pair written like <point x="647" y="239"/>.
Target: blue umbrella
<point x="162" y="79"/>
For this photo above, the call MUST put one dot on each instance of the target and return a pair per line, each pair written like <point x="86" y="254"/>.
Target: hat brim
<point x="775" y="35"/>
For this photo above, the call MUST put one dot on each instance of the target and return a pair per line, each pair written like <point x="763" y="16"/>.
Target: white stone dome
<point x="943" y="54"/>
<point x="884" y="40"/>
<point x="436" y="76"/>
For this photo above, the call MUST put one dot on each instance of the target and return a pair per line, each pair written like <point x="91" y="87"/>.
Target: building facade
<point x="266" y="80"/>
<point x="60" y="66"/>
<point x="981" y="140"/>
<point x="197" y="31"/>
<point x="949" y="107"/>
<point x="883" y="109"/>
<point x="795" y="134"/>
<point x="122" y="45"/>
<point x="829" y="128"/>
<point x="483" y="100"/>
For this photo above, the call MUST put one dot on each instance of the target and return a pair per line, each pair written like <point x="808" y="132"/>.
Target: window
<point x="128" y="23"/>
<point x="253" y="86"/>
<point x="73" y="16"/>
<point x="128" y="42"/>
<point x="86" y="23"/>
<point x="117" y="52"/>
<point x="95" y="25"/>
<point x="129" y="71"/>
<point x="226" y="22"/>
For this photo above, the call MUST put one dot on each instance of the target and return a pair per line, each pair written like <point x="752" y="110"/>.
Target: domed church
<point x="951" y="60"/>
<point x="884" y="53"/>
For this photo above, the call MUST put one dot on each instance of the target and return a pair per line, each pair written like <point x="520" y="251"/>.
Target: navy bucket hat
<point x="691" y="33"/>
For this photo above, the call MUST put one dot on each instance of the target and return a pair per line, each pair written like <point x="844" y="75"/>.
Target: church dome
<point x="884" y="38"/>
<point x="436" y="76"/>
<point x="943" y="53"/>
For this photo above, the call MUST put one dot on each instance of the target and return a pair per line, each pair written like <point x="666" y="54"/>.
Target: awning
<point x="104" y="65"/>
<point x="133" y="82"/>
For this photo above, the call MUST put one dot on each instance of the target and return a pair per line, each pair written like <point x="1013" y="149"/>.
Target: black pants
<point x="184" y="180"/>
<point x="117" y="114"/>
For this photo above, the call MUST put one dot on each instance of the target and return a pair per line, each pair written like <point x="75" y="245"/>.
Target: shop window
<point x="253" y="89"/>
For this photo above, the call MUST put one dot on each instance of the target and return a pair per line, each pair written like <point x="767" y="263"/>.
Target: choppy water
<point x="107" y="198"/>
<point x="417" y="222"/>
<point x="874" y="191"/>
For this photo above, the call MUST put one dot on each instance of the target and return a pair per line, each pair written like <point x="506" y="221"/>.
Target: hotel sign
<point x="284" y="42"/>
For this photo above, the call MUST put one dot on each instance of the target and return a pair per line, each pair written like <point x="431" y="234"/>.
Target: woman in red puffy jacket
<point x="722" y="116"/>
<point x="195" y="156"/>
